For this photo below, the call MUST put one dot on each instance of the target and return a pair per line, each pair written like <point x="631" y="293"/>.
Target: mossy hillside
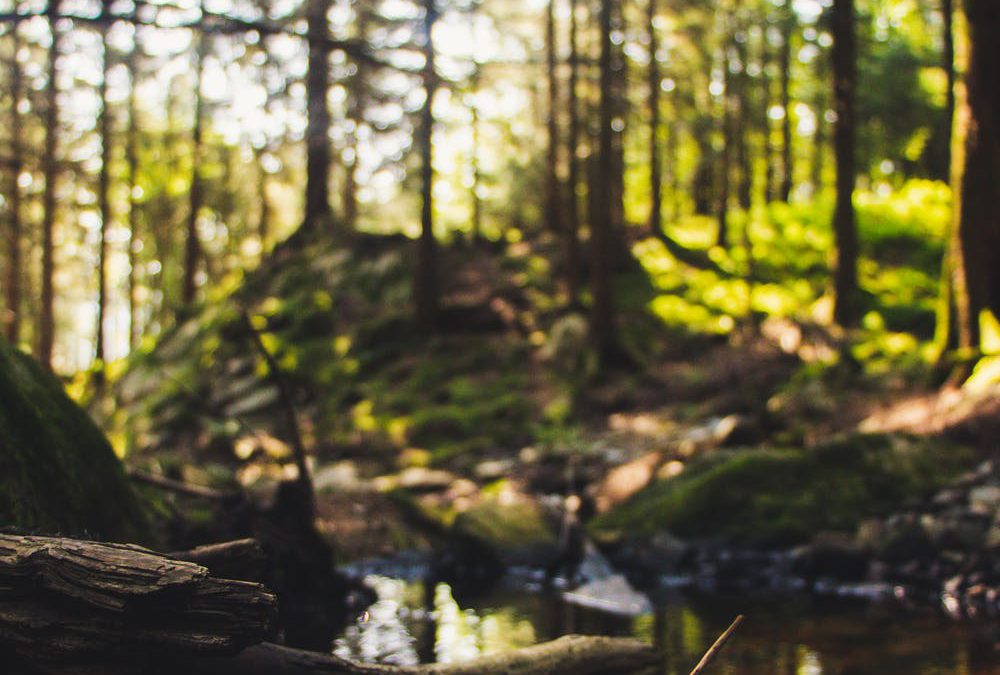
<point x="57" y="471"/>
<point x="338" y="324"/>
<point x="785" y="496"/>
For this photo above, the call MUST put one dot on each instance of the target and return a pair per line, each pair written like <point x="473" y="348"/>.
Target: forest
<point x="535" y="336"/>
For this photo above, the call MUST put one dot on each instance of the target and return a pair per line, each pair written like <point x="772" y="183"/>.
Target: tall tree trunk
<point x="946" y="332"/>
<point x="103" y="195"/>
<point x="132" y="160"/>
<point x="15" y="225"/>
<point x="603" y="327"/>
<point x="845" y="276"/>
<point x="50" y="167"/>
<point x="976" y="165"/>
<point x="425" y="287"/>
<point x="948" y="62"/>
<point x="741" y="135"/>
<point x="725" y="155"/>
<point x="318" y="215"/>
<point x="655" y="168"/>
<point x="764" y="119"/>
<point x="192" y="246"/>
<point x="785" y="66"/>
<point x="356" y="114"/>
<point x="477" y="171"/>
<point x="553" y="189"/>
<point x="572" y="246"/>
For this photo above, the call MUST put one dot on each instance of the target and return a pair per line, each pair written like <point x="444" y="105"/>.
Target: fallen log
<point x="576" y="654"/>
<point x="71" y="606"/>
<point x="243" y="559"/>
<point x="65" y="600"/>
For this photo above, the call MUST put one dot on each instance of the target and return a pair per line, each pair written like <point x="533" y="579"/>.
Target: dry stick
<point x="285" y="395"/>
<point x="183" y="488"/>
<point x="717" y="647"/>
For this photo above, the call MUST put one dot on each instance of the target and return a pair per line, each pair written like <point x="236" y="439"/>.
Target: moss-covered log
<point x="57" y="470"/>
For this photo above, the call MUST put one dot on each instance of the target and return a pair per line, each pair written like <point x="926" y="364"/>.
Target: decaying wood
<point x="71" y="606"/>
<point x="66" y="599"/>
<point x="243" y="559"/>
<point x="575" y="654"/>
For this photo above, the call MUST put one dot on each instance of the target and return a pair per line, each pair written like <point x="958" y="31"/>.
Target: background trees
<point x="208" y="133"/>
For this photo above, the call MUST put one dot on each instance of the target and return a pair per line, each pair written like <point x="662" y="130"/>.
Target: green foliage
<point x="57" y="471"/>
<point x="778" y="497"/>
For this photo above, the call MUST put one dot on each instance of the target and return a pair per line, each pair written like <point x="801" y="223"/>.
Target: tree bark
<point x="12" y="328"/>
<point x="71" y="601"/>
<point x="425" y="286"/>
<point x="655" y="167"/>
<point x="975" y="167"/>
<point x="103" y="195"/>
<point x="50" y="167"/>
<point x="196" y="198"/>
<point x="553" y="187"/>
<point x="725" y="155"/>
<point x="603" y="326"/>
<point x="132" y="160"/>
<point x="572" y="246"/>
<point x="785" y="66"/>
<point x="845" y="275"/>
<point x="318" y="215"/>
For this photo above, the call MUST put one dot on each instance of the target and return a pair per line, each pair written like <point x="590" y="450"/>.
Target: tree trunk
<point x="741" y="135"/>
<point x="477" y="171"/>
<point x="553" y="189"/>
<point x="655" y="168"/>
<point x="603" y="327"/>
<point x="357" y="88"/>
<point x="572" y="246"/>
<point x="318" y="215"/>
<point x="976" y="165"/>
<point x="845" y="276"/>
<point x="50" y="167"/>
<point x="12" y="329"/>
<point x="785" y="65"/>
<point x="132" y="160"/>
<point x="425" y="286"/>
<point x="725" y="155"/>
<point x="196" y="198"/>
<point x="103" y="196"/>
<point x="946" y="331"/>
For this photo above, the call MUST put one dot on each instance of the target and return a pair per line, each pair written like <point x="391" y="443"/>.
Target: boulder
<point x="58" y="472"/>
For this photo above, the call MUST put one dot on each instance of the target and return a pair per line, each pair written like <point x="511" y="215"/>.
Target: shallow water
<point x="415" y="622"/>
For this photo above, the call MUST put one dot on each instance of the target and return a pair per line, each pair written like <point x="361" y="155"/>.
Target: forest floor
<point x="746" y="429"/>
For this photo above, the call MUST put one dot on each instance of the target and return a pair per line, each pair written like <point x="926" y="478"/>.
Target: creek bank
<point x="941" y="551"/>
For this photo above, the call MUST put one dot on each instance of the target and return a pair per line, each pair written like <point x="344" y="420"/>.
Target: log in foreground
<point x="67" y="600"/>
<point x="68" y="605"/>
<point x="576" y="654"/>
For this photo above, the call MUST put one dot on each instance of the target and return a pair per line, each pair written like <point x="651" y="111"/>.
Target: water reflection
<point x="413" y="622"/>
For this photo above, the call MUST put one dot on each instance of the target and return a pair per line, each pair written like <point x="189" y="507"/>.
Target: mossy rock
<point x="58" y="472"/>
<point x="781" y="497"/>
<point x="515" y="532"/>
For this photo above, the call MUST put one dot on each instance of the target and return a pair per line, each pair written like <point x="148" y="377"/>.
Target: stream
<point x="414" y="621"/>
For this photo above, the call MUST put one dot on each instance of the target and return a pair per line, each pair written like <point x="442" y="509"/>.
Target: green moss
<point x="776" y="497"/>
<point x="506" y="529"/>
<point x="58" y="472"/>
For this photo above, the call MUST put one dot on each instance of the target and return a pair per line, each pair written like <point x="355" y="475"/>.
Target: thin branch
<point x="183" y="488"/>
<point x="717" y="647"/>
<point x="291" y="418"/>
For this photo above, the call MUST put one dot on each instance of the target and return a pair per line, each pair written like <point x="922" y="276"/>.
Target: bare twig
<point x="291" y="418"/>
<point x="717" y="647"/>
<point x="183" y="488"/>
